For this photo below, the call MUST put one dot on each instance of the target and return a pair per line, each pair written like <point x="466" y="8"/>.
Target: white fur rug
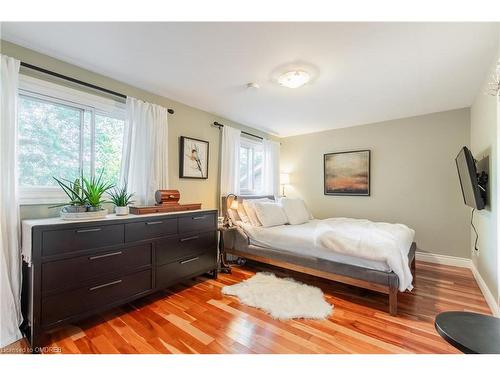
<point x="281" y="298"/>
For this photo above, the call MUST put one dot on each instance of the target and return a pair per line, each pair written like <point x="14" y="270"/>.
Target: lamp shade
<point x="234" y="204"/>
<point x="284" y="179"/>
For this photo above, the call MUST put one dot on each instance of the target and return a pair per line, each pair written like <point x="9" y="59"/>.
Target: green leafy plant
<point x="120" y="197"/>
<point x="73" y="190"/>
<point x="94" y="188"/>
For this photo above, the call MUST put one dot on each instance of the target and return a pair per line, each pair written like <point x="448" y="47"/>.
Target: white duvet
<point x="368" y="240"/>
<point x="326" y="238"/>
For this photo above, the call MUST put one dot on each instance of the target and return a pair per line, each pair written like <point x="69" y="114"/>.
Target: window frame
<point x="45" y="91"/>
<point x="253" y="145"/>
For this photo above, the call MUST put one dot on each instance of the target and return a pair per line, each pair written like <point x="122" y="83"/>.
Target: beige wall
<point x="413" y="176"/>
<point x="414" y="179"/>
<point x="484" y="142"/>
<point x="187" y="121"/>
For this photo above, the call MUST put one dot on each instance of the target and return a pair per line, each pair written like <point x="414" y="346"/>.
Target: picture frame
<point x="193" y="158"/>
<point x="347" y="173"/>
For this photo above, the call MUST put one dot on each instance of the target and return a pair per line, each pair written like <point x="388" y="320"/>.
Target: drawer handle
<point x="105" y="285"/>
<point x="154" y="222"/>
<point x="189" y="260"/>
<point x="105" y="255"/>
<point x="190" y="238"/>
<point x="88" y="230"/>
<point x="199" y="217"/>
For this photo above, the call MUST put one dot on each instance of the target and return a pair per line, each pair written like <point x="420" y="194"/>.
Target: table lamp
<point x="284" y="180"/>
<point x="232" y="204"/>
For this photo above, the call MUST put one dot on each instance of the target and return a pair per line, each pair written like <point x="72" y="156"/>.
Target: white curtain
<point x="10" y="267"/>
<point x="230" y="161"/>
<point x="145" y="150"/>
<point x="271" y="169"/>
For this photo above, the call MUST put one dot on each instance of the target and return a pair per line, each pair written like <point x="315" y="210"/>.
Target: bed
<point x="292" y="247"/>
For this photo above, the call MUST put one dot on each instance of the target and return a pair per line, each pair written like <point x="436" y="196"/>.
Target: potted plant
<point x="74" y="191"/>
<point x="121" y="199"/>
<point x="93" y="189"/>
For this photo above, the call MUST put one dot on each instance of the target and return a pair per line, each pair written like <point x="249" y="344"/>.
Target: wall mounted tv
<point x="473" y="184"/>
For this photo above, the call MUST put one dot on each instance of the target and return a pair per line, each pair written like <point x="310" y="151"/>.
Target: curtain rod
<point x="219" y="125"/>
<point x="77" y="81"/>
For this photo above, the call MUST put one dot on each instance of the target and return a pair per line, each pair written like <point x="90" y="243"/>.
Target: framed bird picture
<point x="193" y="158"/>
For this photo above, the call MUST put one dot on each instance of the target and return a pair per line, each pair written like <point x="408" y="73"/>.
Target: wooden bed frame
<point x="391" y="290"/>
<point x="357" y="278"/>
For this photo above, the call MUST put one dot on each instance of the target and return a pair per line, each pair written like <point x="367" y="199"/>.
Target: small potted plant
<point x="74" y="191"/>
<point x="94" y="189"/>
<point x="121" y="199"/>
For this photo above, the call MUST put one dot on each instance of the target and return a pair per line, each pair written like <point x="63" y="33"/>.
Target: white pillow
<point x="248" y="204"/>
<point x="232" y="216"/>
<point x="243" y="214"/>
<point x="270" y="214"/>
<point x="295" y="210"/>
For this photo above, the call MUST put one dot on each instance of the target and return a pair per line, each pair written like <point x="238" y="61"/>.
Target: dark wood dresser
<point x="79" y="269"/>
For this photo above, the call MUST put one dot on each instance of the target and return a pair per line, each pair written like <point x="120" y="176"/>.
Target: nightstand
<point x="224" y="267"/>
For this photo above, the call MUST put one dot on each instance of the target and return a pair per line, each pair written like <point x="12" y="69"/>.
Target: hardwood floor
<point x="196" y="318"/>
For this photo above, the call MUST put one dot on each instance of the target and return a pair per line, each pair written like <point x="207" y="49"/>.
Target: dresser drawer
<point x="105" y="292"/>
<point x="69" y="240"/>
<point x="150" y="229"/>
<point x="197" y="223"/>
<point x="181" y="247"/>
<point x="74" y="271"/>
<point x="194" y="265"/>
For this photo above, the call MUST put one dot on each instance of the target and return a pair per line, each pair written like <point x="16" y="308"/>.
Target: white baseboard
<point x="488" y="296"/>
<point x="444" y="259"/>
<point x="465" y="263"/>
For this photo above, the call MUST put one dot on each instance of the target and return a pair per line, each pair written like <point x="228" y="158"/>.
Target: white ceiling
<point x="365" y="72"/>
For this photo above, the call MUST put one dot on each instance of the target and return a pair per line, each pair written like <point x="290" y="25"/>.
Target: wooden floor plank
<point x="194" y="317"/>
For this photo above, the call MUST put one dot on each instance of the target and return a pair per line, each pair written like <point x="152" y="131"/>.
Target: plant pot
<point x="121" y="211"/>
<point x="94" y="208"/>
<point x="71" y="209"/>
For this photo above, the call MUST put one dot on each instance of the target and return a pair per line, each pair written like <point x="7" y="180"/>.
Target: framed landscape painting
<point x="193" y="158"/>
<point x="347" y="173"/>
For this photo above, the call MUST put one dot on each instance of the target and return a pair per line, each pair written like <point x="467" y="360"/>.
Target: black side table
<point x="224" y="266"/>
<point x="470" y="333"/>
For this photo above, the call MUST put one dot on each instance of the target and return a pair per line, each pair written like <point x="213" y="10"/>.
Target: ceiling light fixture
<point x="294" y="79"/>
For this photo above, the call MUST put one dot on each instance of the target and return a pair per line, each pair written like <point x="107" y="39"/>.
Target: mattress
<point x="299" y="240"/>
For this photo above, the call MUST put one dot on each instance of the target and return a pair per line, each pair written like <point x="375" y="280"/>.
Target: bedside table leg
<point x="223" y="265"/>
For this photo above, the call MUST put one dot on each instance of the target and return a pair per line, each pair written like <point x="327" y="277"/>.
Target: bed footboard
<point x="378" y="281"/>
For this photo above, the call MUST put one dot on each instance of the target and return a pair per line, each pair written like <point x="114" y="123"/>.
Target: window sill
<point x="40" y="201"/>
<point x="253" y="195"/>
<point x="45" y="196"/>
<point x="29" y="196"/>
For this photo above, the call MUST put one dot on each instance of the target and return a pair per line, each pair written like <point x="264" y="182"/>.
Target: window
<point x="108" y="146"/>
<point x="49" y="141"/>
<point x="251" y="165"/>
<point x="64" y="133"/>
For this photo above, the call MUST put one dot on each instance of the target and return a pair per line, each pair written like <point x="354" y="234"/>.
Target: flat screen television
<point x="473" y="192"/>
